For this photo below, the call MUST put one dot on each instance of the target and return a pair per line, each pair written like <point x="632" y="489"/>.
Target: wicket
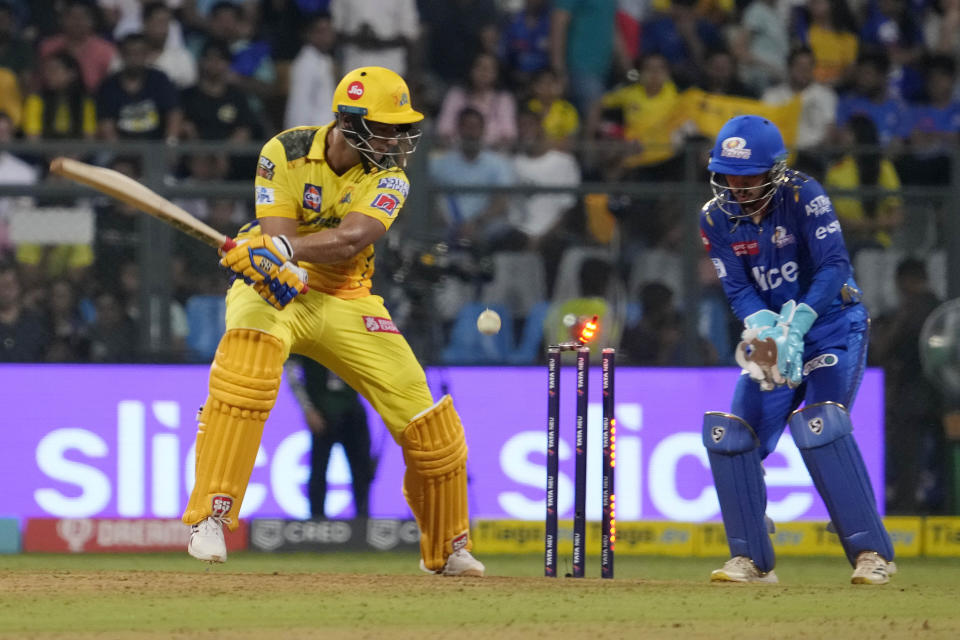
<point x="608" y="522"/>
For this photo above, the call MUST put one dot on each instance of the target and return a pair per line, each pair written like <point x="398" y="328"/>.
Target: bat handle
<point x="228" y="244"/>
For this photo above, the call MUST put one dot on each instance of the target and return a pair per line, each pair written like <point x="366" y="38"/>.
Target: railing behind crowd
<point x="426" y="272"/>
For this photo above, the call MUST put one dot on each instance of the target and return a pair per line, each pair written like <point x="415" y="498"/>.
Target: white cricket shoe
<point x="742" y="569"/>
<point x="206" y="540"/>
<point x="459" y="564"/>
<point x="872" y="568"/>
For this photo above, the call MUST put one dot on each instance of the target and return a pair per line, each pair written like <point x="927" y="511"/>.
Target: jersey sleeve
<point x="381" y="195"/>
<point x="274" y="197"/>
<point x="737" y="285"/>
<point x="826" y="249"/>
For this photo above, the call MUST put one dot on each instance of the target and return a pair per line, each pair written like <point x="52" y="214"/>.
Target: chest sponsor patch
<point x="386" y="202"/>
<point x="396" y="184"/>
<point x="746" y="248"/>
<point x="265" y="168"/>
<point x="264" y="195"/>
<point x="379" y="325"/>
<point x="822" y="360"/>
<point x="312" y="197"/>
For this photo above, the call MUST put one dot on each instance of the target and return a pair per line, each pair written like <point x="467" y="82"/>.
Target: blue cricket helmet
<point x="747" y="146"/>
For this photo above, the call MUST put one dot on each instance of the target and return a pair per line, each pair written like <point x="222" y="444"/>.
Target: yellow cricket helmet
<point x="377" y="94"/>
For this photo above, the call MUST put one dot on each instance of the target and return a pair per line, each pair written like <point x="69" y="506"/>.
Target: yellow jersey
<point x="649" y="120"/>
<point x="294" y="181"/>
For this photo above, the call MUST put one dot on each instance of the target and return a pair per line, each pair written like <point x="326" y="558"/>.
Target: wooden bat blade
<point x="126" y="189"/>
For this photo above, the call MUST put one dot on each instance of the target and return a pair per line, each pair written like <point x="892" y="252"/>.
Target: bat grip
<point x="228" y="244"/>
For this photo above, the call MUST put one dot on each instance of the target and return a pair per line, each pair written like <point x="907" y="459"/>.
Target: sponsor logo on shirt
<point x="782" y="238"/>
<point x="719" y="266"/>
<point x="387" y="203"/>
<point x="264" y="195"/>
<point x="772" y="278"/>
<point x="705" y="240"/>
<point x="347" y="196"/>
<point x="265" y="168"/>
<point x="746" y="248"/>
<point x="355" y="90"/>
<point x="735" y="148"/>
<point x="823" y="232"/>
<point x="819" y="206"/>
<point x="396" y="184"/>
<point x="311" y="197"/>
<point x="379" y="325"/>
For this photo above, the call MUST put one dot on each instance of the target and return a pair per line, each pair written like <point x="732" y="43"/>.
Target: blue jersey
<point x="795" y="253"/>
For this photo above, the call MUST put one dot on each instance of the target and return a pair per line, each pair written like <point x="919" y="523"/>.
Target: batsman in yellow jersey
<point x="324" y="195"/>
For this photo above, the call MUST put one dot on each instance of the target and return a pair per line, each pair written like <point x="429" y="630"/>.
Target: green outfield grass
<point x="383" y="595"/>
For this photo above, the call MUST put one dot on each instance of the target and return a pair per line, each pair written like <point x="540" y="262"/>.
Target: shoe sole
<point x="870" y="581"/>
<point x="466" y="573"/>
<point x="207" y="559"/>
<point x="720" y="576"/>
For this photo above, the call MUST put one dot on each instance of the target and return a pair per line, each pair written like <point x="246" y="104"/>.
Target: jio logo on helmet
<point x="355" y="90"/>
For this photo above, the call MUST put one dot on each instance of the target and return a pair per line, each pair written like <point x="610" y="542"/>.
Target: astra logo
<point x="773" y="278"/>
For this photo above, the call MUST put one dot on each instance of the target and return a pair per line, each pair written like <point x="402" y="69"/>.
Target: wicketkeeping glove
<point x="749" y="354"/>
<point x="792" y="325"/>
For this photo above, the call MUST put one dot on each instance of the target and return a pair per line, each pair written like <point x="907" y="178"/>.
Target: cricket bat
<point x="126" y="189"/>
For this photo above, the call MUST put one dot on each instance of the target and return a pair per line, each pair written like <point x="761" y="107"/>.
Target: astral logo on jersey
<point x="396" y="184"/>
<point x="746" y="248"/>
<point x="355" y="90"/>
<point x="387" y="203"/>
<point x="773" y="278"/>
<point x="735" y="148"/>
<point x="312" y="197"/>
<point x="818" y="206"/>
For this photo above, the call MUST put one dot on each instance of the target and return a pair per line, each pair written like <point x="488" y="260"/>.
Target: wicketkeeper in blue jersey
<point x="778" y="249"/>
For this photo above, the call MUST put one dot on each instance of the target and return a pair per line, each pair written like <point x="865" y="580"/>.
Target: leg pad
<point x="244" y="381"/>
<point x="732" y="448"/>
<point x="824" y="434"/>
<point x="435" y="483"/>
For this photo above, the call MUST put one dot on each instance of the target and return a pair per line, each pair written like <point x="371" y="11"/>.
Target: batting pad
<point x="738" y="476"/>
<point x="244" y="380"/>
<point x="435" y="483"/>
<point x="823" y="433"/>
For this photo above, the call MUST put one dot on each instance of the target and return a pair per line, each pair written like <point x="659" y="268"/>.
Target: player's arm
<point x="330" y="245"/>
<point x="824" y="239"/>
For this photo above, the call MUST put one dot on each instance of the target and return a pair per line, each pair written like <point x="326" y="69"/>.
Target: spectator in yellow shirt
<point x="62" y="108"/>
<point x="559" y="117"/>
<point x="869" y="220"/>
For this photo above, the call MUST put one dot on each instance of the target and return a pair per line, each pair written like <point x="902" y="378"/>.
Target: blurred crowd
<point x="522" y="96"/>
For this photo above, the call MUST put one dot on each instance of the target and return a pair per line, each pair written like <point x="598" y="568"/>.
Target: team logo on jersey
<point x="396" y="184"/>
<point x="355" y="90"/>
<point x="782" y="238"/>
<point x="264" y="195"/>
<point x="735" y="148"/>
<point x="746" y="248"/>
<point x="311" y="197"/>
<point x="379" y="325"/>
<point x="823" y="360"/>
<point x="387" y="203"/>
<point x="347" y="196"/>
<point x="705" y="240"/>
